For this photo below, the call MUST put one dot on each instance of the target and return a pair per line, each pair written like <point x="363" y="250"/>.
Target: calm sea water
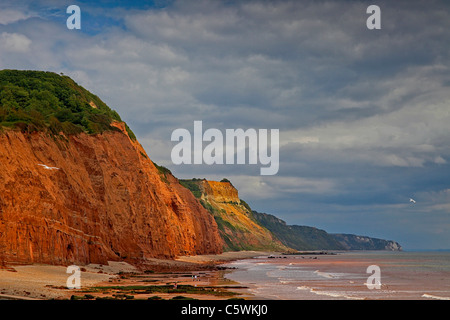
<point x="403" y="275"/>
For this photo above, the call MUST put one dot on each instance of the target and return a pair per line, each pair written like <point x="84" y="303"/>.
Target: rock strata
<point x="92" y="198"/>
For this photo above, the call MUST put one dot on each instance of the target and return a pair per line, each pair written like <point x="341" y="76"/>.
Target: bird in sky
<point x="47" y="167"/>
<point x="412" y="200"/>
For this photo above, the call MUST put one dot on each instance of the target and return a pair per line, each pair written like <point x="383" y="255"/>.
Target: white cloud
<point x="408" y="131"/>
<point x="14" y="42"/>
<point x="276" y="187"/>
<point x="264" y="62"/>
<point x="8" y="16"/>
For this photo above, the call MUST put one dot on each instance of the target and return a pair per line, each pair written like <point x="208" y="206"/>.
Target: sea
<point x="354" y="275"/>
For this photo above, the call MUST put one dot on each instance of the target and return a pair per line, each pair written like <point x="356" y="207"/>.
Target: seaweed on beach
<point x="186" y="289"/>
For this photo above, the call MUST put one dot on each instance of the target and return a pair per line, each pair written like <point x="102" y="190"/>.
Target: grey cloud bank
<point x="363" y="114"/>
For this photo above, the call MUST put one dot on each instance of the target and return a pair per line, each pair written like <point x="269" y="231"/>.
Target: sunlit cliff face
<point x="105" y="201"/>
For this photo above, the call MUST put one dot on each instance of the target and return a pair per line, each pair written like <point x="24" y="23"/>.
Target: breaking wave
<point x="426" y="295"/>
<point x="329" y="294"/>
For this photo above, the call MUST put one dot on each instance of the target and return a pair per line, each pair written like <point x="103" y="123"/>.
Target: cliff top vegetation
<point x="38" y="101"/>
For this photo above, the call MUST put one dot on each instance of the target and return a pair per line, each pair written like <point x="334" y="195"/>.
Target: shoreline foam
<point x="404" y="276"/>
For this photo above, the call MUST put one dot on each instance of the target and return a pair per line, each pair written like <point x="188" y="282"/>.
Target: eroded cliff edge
<point x="245" y="229"/>
<point x="237" y="226"/>
<point x="105" y="201"/>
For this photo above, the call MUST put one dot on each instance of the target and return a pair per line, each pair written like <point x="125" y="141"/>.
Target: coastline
<point x="196" y="277"/>
<point x="344" y="276"/>
<point x="244" y="275"/>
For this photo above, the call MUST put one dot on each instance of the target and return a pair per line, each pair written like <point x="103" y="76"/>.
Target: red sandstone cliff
<point x="237" y="226"/>
<point x="107" y="201"/>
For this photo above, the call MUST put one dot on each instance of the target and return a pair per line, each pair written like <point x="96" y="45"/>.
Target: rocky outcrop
<point x="77" y="187"/>
<point x="310" y="238"/>
<point x="355" y="242"/>
<point x="219" y="192"/>
<point x="298" y="237"/>
<point x="237" y="226"/>
<point x="93" y="198"/>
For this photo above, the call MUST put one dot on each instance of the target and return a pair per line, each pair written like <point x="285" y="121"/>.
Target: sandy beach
<point x="195" y="277"/>
<point x="245" y="275"/>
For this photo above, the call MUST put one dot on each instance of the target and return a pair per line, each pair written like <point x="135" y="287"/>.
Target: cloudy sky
<point x="363" y="114"/>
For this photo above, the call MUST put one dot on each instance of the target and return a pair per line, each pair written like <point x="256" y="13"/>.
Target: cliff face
<point x="355" y="242"/>
<point x="99" y="198"/>
<point x="237" y="226"/>
<point x="76" y="187"/>
<point x="219" y="192"/>
<point x="310" y="238"/>
<point x="298" y="237"/>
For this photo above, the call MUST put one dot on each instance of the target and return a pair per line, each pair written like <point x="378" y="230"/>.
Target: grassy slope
<point x="45" y="101"/>
<point x="298" y="237"/>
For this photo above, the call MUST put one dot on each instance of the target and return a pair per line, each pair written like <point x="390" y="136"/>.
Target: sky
<point x="363" y="114"/>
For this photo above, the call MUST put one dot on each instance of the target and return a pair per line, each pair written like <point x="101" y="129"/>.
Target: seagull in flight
<point x="412" y="200"/>
<point x="47" y="167"/>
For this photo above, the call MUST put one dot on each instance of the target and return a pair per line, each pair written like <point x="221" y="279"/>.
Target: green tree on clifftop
<point x="38" y="100"/>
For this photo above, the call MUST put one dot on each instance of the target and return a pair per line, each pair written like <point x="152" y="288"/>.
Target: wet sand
<point x="244" y="275"/>
<point x="41" y="282"/>
<point x="193" y="273"/>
